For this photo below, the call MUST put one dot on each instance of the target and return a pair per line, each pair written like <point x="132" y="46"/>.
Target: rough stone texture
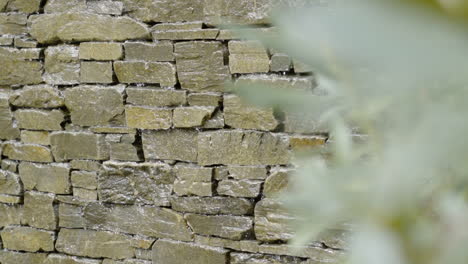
<point x="242" y="148"/>
<point x="160" y="51"/>
<point x="242" y="258"/>
<point x="12" y="257"/>
<point x="155" y="97"/>
<point x="24" y="6"/>
<point x="170" y="145"/>
<point x="148" y="118"/>
<point x="70" y="216"/>
<point x="102" y="106"/>
<point x="232" y="227"/>
<point x="204" y="99"/>
<point x="39" y="210"/>
<point x="237" y="12"/>
<point x="277" y="182"/>
<point x="10" y="183"/>
<point x="35" y="137"/>
<point x="272" y="221"/>
<point x="84" y="179"/>
<point x="248" y="57"/>
<point x="212" y="205"/>
<point x="193" y="180"/>
<point x="59" y="6"/>
<point x="40" y="119"/>
<point x="166" y="251"/>
<point x="200" y="65"/>
<point x="54" y="178"/>
<point x="37" y="96"/>
<point x="27" y="152"/>
<point x="78" y="145"/>
<point x="164" y="10"/>
<point x="105" y="7"/>
<point x="19" y="72"/>
<point x="13" y="23"/>
<point x="280" y="62"/>
<point x="100" y="51"/>
<point x="9" y="130"/>
<point x="186" y="34"/>
<point x="96" y="72"/>
<point x="94" y="244"/>
<point x="185" y="117"/>
<point x="51" y="28"/>
<point x="241" y="188"/>
<point x="163" y="73"/>
<point x="62" y="65"/>
<point x="10" y="215"/>
<point x="27" y="239"/>
<point x="155" y="222"/>
<point x="240" y="115"/>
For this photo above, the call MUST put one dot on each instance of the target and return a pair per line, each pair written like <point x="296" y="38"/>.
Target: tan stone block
<point x="100" y="51"/>
<point x="96" y="72"/>
<point x="148" y="118"/>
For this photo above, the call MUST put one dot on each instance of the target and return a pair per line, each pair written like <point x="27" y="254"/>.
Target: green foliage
<point x="396" y="71"/>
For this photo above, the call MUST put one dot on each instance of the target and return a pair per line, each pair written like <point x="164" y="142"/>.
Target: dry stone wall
<point x="119" y="144"/>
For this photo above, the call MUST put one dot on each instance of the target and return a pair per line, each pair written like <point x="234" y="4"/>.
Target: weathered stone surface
<point x="21" y="42"/>
<point x="100" y="51"/>
<point x="27" y="239"/>
<point x="85" y="194"/>
<point x="212" y="205"/>
<point x="192" y="180"/>
<point x="39" y="210"/>
<point x="204" y="99"/>
<point x="163" y="73"/>
<point x="232" y="227"/>
<point x="248" y="57"/>
<point x="170" y="145"/>
<point x="10" y="183"/>
<point x="127" y="261"/>
<point x="306" y="123"/>
<point x="105" y="7"/>
<point x="113" y="130"/>
<point x="24" y="6"/>
<point x="122" y="147"/>
<point x="94" y="244"/>
<point x="12" y="257"/>
<point x="84" y="179"/>
<point x="280" y="63"/>
<point x="51" y="28"/>
<point x="188" y="34"/>
<point x="62" y="65"/>
<point x="40" y="119"/>
<point x="272" y="221"/>
<point x="141" y="183"/>
<point x="242" y="258"/>
<point x="6" y="40"/>
<point x="240" y="115"/>
<point x="27" y="152"/>
<point x="148" y="118"/>
<point x="276" y="81"/>
<point x="54" y="178"/>
<point x="216" y="120"/>
<point x="10" y="199"/>
<point x="59" y="6"/>
<point x="63" y="259"/>
<point x="96" y="72"/>
<point x="152" y="221"/>
<point x="177" y="26"/>
<point x="147" y="51"/>
<point x="37" y="96"/>
<point x="242" y="148"/>
<point x="71" y="216"/>
<point x="277" y="182"/>
<point x="200" y="65"/>
<point x="35" y="137"/>
<point x="316" y="254"/>
<point x="20" y="72"/>
<point x="10" y="215"/>
<point x="95" y="105"/>
<point x="167" y="251"/>
<point x="9" y="165"/>
<point x="237" y="12"/>
<point x="247" y="172"/>
<point x="238" y="245"/>
<point x="164" y="10"/>
<point x="306" y="142"/>
<point x="78" y="145"/>
<point x="20" y="54"/>
<point x="13" y="23"/>
<point x="86" y="165"/>
<point x="154" y="97"/>
<point x="241" y="188"/>
<point x="8" y="129"/>
<point x="194" y="116"/>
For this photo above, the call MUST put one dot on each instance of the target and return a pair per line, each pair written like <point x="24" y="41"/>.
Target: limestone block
<point x="100" y="51"/>
<point x="10" y="183"/>
<point x="24" y="6"/>
<point x="10" y="215"/>
<point x="62" y="65"/>
<point x="204" y="99"/>
<point x="248" y="57"/>
<point x="242" y="258"/>
<point x="71" y="216"/>
<point x="27" y="239"/>
<point x="182" y="31"/>
<point x="238" y="114"/>
<point x="95" y="105"/>
<point x="20" y="72"/>
<point x="13" y="24"/>
<point x="280" y="63"/>
<point x="40" y="119"/>
<point x="164" y="10"/>
<point x="277" y="182"/>
<point x="153" y="97"/>
<point x="86" y="165"/>
<point x="54" y="177"/>
<point x="6" y="40"/>
<point x="272" y="221"/>
<point x="193" y="180"/>
<point x="39" y="210"/>
<point x="174" y="144"/>
<point x="148" y="118"/>
<point x="96" y="72"/>
<point x="85" y="194"/>
<point x="279" y="81"/>
<point x="194" y="116"/>
<point x="27" y="152"/>
<point x="51" y="28"/>
<point x="84" y="179"/>
<point x="247" y="172"/>
<point x="20" y="54"/>
<point x="212" y="205"/>
<point x="21" y="42"/>
<point x="242" y="12"/>
<point x="232" y="227"/>
<point x="12" y="257"/>
<point x="78" y="145"/>
<point x="59" y="6"/>
<point x="241" y="188"/>
<point x="37" y="96"/>
<point x="167" y="251"/>
<point x="163" y="73"/>
<point x="8" y="129"/>
<point x="35" y="137"/>
<point x="147" y="51"/>
<point x="105" y="7"/>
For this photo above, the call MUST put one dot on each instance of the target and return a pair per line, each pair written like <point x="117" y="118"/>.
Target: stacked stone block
<point x="119" y="143"/>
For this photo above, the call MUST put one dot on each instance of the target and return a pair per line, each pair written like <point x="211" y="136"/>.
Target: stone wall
<point x="119" y="144"/>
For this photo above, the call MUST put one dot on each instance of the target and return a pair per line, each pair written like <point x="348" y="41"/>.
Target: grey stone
<point x="280" y="63"/>
<point x="193" y="116"/>
<point x="100" y="51"/>
<point x="27" y="152"/>
<point x="242" y="148"/>
<point x="13" y="24"/>
<point x="60" y="6"/>
<point x="242" y="258"/>
<point x="212" y="205"/>
<point x="153" y="97"/>
<point x="94" y="244"/>
<point x="148" y="118"/>
<point x="140" y="183"/>
<point x="39" y="210"/>
<point x="96" y="72"/>
<point x="40" y="119"/>
<point x="240" y="188"/>
<point x="6" y="40"/>
<point x="124" y="148"/>
<point x="10" y="215"/>
<point x="35" y="137"/>
<point x="315" y="254"/>
<point x="272" y="221"/>
<point x="152" y="221"/>
<point x="248" y="57"/>
<point x="51" y="28"/>
<point x="167" y="251"/>
<point x="305" y="123"/>
<point x="216" y="120"/>
<point x="238" y="114"/>
<point x="20" y="54"/>
<point x="62" y="65"/>
<point x="86" y="165"/>
<point x="277" y="182"/>
<point x="24" y="6"/>
<point x="164" y="10"/>
<point x="163" y="73"/>
<point x="21" y="42"/>
<point x="27" y="239"/>
<point x="105" y="7"/>
<point x="78" y="145"/>
<point x="54" y="178"/>
<point x="247" y="172"/>
<point x="232" y="227"/>
<point x="204" y="99"/>
<point x="20" y="72"/>
<point x="38" y="96"/>
<point x="12" y="257"/>
<point x="242" y="12"/>
<point x="277" y="81"/>
<point x="9" y="130"/>
<point x="171" y="145"/>
<point x="9" y="165"/>
<point x="85" y="194"/>
<point x="186" y="34"/>
<point x="200" y="65"/>
<point x="160" y="51"/>
<point x="10" y="199"/>
<point x="71" y="216"/>
<point x="10" y="183"/>
<point x="84" y="179"/>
